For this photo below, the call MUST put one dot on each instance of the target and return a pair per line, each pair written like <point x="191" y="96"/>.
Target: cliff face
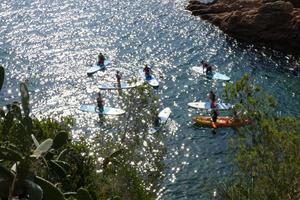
<point x="275" y="23"/>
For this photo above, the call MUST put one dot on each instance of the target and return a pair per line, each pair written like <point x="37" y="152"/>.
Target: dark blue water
<point x="53" y="43"/>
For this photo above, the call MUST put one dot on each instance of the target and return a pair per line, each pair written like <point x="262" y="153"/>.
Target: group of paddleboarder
<point x="147" y="70"/>
<point x="100" y="62"/>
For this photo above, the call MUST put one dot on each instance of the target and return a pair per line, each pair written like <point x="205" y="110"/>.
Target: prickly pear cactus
<point x="60" y="140"/>
<point x="83" y="194"/>
<point x="9" y="154"/>
<point x="50" y="192"/>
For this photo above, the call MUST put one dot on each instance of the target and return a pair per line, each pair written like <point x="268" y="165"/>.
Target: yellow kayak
<point x="221" y="121"/>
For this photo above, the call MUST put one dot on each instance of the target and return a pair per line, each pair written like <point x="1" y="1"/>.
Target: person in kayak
<point x="208" y="67"/>
<point x="214" y="117"/>
<point x="100" y="103"/>
<point x="147" y="71"/>
<point x="101" y="59"/>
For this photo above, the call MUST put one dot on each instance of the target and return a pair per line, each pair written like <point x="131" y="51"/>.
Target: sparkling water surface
<point x="52" y="43"/>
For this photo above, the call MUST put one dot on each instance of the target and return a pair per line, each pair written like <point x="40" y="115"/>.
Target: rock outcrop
<point x="275" y="23"/>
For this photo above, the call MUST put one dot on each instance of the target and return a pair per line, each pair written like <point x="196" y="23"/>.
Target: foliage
<point x="131" y="160"/>
<point x="268" y="151"/>
<point x="29" y="153"/>
<point x="48" y="165"/>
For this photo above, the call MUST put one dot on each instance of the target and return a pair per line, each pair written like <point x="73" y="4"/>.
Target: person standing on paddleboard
<point x="147" y="72"/>
<point x="118" y="76"/>
<point x="156" y="121"/>
<point x="101" y="59"/>
<point x="100" y="103"/>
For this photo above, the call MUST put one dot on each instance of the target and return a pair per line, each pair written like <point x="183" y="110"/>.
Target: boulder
<point x="275" y="23"/>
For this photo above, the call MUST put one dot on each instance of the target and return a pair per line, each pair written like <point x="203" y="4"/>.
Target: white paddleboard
<point x="216" y="75"/>
<point x="106" y="110"/>
<point x="114" y="86"/>
<point x="206" y="105"/>
<point x="163" y="118"/>
<point x="96" y="67"/>
<point x="151" y="81"/>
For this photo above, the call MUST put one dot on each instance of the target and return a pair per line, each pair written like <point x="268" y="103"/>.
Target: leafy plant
<point x="268" y="151"/>
<point x="28" y="157"/>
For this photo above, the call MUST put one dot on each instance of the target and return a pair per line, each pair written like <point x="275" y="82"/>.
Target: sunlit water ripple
<point x="54" y="42"/>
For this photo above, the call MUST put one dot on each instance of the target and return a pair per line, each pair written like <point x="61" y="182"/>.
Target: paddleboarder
<point x="101" y="59"/>
<point x="147" y="71"/>
<point x="208" y="67"/>
<point x="156" y="121"/>
<point x="118" y="76"/>
<point x="100" y="103"/>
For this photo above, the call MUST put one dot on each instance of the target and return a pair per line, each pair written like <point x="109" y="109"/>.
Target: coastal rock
<point x="275" y="23"/>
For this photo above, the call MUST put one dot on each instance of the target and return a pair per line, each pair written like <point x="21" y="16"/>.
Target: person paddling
<point x="100" y="103"/>
<point x="214" y="109"/>
<point x="156" y="121"/>
<point x="147" y="71"/>
<point x="208" y="68"/>
<point x="212" y="99"/>
<point x="118" y="76"/>
<point x="214" y="118"/>
<point x="101" y="59"/>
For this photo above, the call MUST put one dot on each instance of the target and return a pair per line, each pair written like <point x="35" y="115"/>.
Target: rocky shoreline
<point x="273" y="23"/>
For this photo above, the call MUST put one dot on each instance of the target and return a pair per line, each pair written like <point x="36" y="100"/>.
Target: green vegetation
<point x="132" y="158"/>
<point x="267" y="151"/>
<point x="38" y="160"/>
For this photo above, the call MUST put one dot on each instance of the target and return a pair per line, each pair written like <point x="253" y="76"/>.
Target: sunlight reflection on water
<point x="54" y="43"/>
